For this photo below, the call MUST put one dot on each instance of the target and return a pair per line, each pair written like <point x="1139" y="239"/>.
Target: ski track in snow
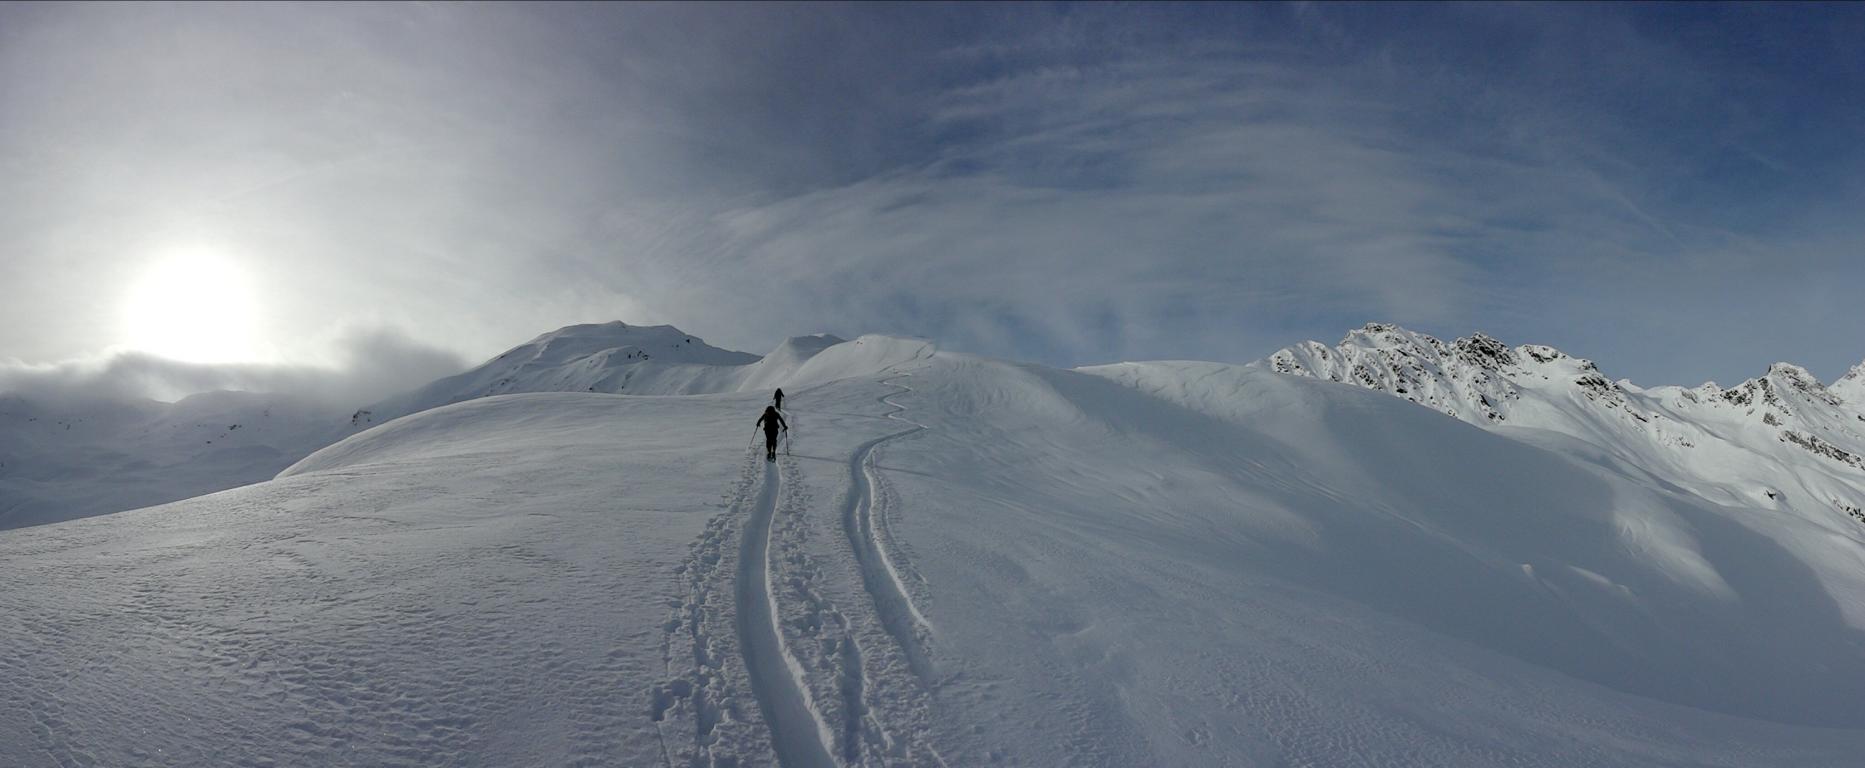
<point x="798" y="734"/>
<point x="828" y="687"/>
<point x="884" y="655"/>
<point x="892" y="602"/>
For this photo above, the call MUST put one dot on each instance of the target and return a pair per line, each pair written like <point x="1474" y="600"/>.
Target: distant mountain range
<point x="1780" y="441"/>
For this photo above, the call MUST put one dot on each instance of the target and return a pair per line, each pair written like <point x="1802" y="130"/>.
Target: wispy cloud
<point x="1070" y="184"/>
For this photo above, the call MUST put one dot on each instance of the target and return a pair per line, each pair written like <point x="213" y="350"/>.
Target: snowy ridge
<point x="579" y="358"/>
<point x="1781" y="440"/>
<point x="1476" y="378"/>
<point x="615" y="358"/>
<point x="1850" y="388"/>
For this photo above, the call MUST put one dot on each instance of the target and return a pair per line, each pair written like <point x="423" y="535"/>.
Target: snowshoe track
<point x="705" y="711"/>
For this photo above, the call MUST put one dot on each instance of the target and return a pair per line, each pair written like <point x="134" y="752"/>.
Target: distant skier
<point x="780" y="398"/>
<point x="771" y="421"/>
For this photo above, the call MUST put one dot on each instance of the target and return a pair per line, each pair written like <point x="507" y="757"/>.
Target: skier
<point x="780" y="398"/>
<point x="771" y="421"/>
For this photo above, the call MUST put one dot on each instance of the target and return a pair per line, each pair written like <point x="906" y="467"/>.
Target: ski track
<point x="864" y="679"/>
<point x="798" y="734"/>
<point x="879" y="576"/>
<point x="827" y="688"/>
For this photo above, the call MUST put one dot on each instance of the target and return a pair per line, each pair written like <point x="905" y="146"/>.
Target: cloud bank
<point x="374" y="363"/>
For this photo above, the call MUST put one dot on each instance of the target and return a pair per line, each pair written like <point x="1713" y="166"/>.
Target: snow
<point x="1783" y="449"/>
<point x="611" y="357"/>
<point x="60" y="461"/>
<point x="1851" y="387"/>
<point x="963" y="561"/>
<point x="579" y="358"/>
<point x="70" y="460"/>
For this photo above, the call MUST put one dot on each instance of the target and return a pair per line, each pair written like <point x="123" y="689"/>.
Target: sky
<point x="247" y="195"/>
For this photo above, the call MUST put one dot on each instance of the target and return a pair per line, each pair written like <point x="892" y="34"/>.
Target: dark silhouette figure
<point x="771" y="421"/>
<point x="780" y="398"/>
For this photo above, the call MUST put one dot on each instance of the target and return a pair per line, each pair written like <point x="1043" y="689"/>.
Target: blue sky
<point x="1669" y="189"/>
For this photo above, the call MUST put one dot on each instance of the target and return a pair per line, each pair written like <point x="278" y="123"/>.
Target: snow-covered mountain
<point x="959" y="561"/>
<point x="608" y="357"/>
<point x="579" y="358"/>
<point x="1781" y="441"/>
<point x="61" y="462"/>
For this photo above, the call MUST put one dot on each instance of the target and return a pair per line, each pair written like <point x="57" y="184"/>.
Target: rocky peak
<point x="1392" y="337"/>
<point x="1784" y="415"/>
<point x="1751" y="392"/>
<point x="1476" y="378"/>
<point x="1856" y="374"/>
<point x="1850" y="389"/>
<point x="1793" y="378"/>
<point x="1485" y="351"/>
<point x="1767" y="389"/>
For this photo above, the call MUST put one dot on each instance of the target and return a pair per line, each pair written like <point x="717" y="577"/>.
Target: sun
<point x="192" y="304"/>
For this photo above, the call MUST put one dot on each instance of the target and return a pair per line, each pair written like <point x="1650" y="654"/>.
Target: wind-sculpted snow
<point x="957" y="562"/>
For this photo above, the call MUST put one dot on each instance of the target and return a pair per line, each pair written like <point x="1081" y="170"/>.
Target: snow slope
<point x="1784" y="448"/>
<point x="1785" y="427"/>
<point x="64" y="461"/>
<point x="88" y="458"/>
<point x="959" y="561"/>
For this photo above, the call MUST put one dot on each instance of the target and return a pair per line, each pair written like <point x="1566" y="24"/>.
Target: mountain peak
<point x="589" y="357"/>
<point x="1791" y="371"/>
<point x="1456" y="378"/>
<point x="1477" y="377"/>
<point x="618" y="358"/>
<point x="624" y="342"/>
<point x="1482" y="381"/>
<point x="1766" y="389"/>
<point x="1389" y="336"/>
<point x="1850" y="388"/>
<point x="1857" y="373"/>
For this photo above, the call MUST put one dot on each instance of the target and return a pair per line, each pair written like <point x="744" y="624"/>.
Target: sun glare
<point x="195" y="305"/>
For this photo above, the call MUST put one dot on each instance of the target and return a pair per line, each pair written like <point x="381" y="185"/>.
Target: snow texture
<point x="960" y="561"/>
<point x="60" y="461"/>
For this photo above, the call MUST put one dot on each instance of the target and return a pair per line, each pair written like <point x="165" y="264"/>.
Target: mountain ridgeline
<point x="1781" y="440"/>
